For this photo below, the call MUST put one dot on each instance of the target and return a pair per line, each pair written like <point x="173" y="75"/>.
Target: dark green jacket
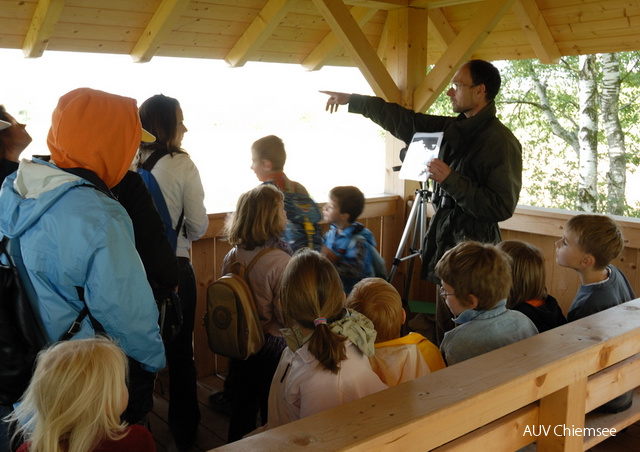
<point x="486" y="159"/>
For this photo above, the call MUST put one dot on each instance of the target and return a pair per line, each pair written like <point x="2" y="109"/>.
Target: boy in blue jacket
<point x="347" y="242"/>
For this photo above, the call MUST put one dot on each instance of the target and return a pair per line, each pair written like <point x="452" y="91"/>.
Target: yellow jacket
<point x="405" y="358"/>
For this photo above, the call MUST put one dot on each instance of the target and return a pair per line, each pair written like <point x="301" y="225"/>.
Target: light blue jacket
<point x="479" y="332"/>
<point x="71" y="234"/>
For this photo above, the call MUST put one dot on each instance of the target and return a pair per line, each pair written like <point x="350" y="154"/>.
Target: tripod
<point x="416" y="227"/>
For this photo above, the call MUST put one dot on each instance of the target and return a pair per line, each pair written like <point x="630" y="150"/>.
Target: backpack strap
<point x="289" y="186"/>
<point x="253" y="262"/>
<point x="92" y="177"/>
<point x="148" y="165"/>
<point x="153" y="158"/>
<point x="257" y="258"/>
<point x="76" y="326"/>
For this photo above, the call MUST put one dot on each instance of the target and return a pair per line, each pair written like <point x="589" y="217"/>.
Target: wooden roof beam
<point x="385" y="5"/>
<point x="384" y="41"/>
<point x="315" y="59"/>
<point x="161" y="24"/>
<point x="356" y="44"/>
<point x="260" y="29"/>
<point x="41" y="28"/>
<point x="486" y="17"/>
<point x="441" y="30"/>
<point x="429" y="4"/>
<point x="537" y="31"/>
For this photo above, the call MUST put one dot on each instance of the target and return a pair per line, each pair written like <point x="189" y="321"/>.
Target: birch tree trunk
<point x="588" y="134"/>
<point x="545" y="105"/>
<point x="609" y="100"/>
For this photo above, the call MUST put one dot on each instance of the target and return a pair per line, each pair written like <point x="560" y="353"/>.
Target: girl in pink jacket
<point x="326" y="362"/>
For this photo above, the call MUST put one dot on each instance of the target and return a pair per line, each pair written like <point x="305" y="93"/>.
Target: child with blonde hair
<point x="528" y="291"/>
<point x="397" y="359"/>
<point x="255" y="230"/>
<point x="325" y="363"/>
<point x="75" y="399"/>
<point x="476" y="279"/>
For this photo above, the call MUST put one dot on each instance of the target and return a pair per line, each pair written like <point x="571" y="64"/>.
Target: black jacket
<point x="486" y="159"/>
<point x="155" y="251"/>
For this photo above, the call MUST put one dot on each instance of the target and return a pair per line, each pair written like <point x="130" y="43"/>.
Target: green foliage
<point x="550" y="163"/>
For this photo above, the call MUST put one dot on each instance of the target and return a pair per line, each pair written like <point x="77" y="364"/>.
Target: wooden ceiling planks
<point x="316" y="33"/>
<point x="296" y="31"/>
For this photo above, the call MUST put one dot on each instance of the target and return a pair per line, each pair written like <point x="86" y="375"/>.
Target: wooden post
<point x="563" y="413"/>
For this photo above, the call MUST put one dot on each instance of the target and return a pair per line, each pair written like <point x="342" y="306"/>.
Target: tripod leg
<point x="410" y="226"/>
<point x="418" y="236"/>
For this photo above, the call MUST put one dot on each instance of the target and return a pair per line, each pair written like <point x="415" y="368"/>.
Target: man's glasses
<point x="456" y="86"/>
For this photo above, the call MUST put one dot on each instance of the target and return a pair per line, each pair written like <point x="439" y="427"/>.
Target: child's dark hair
<point x="529" y="273"/>
<point x="478" y="269"/>
<point x="271" y="148"/>
<point x="310" y="290"/>
<point x="597" y="235"/>
<point x="349" y="199"/>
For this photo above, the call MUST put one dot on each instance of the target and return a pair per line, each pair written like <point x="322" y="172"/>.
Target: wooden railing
<point x="384" y="215"/>
<point x="499" y="401"/>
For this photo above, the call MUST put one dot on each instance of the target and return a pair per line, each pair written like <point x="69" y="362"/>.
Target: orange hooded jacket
<point x="95" y="130"/>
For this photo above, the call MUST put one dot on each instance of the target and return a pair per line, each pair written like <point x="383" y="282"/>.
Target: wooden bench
<point x="499" y="401"/>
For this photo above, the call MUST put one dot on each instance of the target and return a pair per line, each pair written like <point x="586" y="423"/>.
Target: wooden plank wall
<point x="384" y="215"/>
<point x="542" y="227"/>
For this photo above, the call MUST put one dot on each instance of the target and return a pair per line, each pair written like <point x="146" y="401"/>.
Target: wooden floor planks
<point x="213" y="425"/>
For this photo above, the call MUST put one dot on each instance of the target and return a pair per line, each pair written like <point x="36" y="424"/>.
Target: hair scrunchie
<point x="320" y="321"/>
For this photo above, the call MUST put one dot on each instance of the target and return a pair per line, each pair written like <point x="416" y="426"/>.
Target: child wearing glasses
<point x="476" y="279"/>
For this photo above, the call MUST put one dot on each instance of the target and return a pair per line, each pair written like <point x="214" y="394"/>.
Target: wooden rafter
<point x="42" y="25"/>
<point x="488" y="14"/>
<point x="440" y="3"/>
<point x="384" y="39"/>
<point x="355" y="42"/>
<point x="315" y="59"/>
<point x="537" y="31"/>
<point x="260" y="29"/>
<point x="160" y="25"/>
<point x="440" y="28"/>
<point x="229" y="29"/>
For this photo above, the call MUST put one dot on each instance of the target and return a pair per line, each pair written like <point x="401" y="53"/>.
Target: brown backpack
<point x="231" y="318"/>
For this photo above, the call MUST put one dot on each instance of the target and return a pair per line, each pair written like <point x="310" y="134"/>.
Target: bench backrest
<point x="552" y="379"/>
